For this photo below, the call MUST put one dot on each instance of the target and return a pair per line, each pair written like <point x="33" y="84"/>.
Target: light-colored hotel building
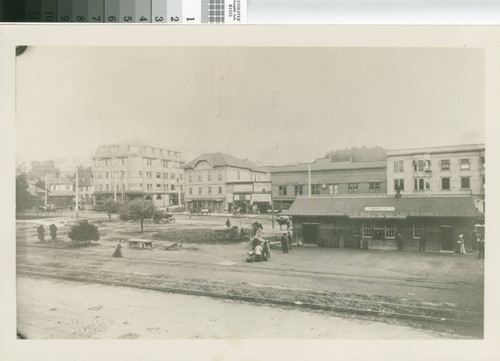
<point x="127" y="171"/>
<point x="453" y="170"/>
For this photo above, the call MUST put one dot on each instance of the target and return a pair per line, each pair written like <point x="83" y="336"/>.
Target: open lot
<point x="432" y="283"/>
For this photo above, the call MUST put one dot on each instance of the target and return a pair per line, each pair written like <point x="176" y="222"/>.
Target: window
<point x="374" y="187"/>
<point x="390" y="231"/>
<point x="164" y="163"/>
<point x="158" y="186"/>
<point x="172" y="176"/>
<point x="421" y="165"/>
<point x="209" y="190"/>
<point x="172" y="187"/>
<point x="165" y="175"/>
<point x="315" y="189"/>
<point x="445" y="183"/>
<point x="149" y="161"/>
<point x="124" y="161"/>
<point x="367" y="230"/>
<point x="158" y="175"/>
<point x="422" y="184"/>
<point x="464" y="163"/>
<point x="355" y="229"/>
<point x="199" y="190"/>
<point x="190" y="190"/>
<point x="352" y="188"/>
<point x="219" y="176"/>
<point x="107" y="174"/>
<point x="298" y="190"/>
<point x="238" y="175"/>
<point x="483" y="178"/>
<point x="399" y="166"/>
<point x="209" y="176"/>
<point x="199" y="176"/>
<point x="282" y="190"/>
<point x="445" y="164"/>
<point x="149" y="174"/>
<point x="399" y="184"/>
<point x="114" y="150"/>
<point x="465" y="182"/>
<point x="482" y="161"/>
<point x="333" y="188"/>
<point x="220" y="190"/>
<point x="418" y="230"/>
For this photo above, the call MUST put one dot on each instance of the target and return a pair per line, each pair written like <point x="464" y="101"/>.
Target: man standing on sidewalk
<point x="284" y="243"/>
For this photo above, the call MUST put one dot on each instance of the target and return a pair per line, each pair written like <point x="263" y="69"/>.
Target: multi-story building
<point x="85" y="186"/>
<point x="440" y="171"/>
<point x="219" y="182"/>
<point x="327" y="179"/>
<point x="127" y="171"/>
<point x="60" y="191"/>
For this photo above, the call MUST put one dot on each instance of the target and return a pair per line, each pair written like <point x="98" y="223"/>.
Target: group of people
<point x="286" y="242"/>
<point x="261" y="250"/>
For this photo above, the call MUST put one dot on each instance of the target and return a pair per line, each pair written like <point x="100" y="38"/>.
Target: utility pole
<point x="272" y="207"/>
<point x="46" y="185"/>
<point x="114" y="185"/>
<point x="76" y="193"/>
<point x="309" y="185"/>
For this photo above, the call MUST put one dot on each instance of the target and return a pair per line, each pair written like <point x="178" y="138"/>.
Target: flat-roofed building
<point x="458" y="169"/>
<point x="328" y="179"/>
<point x="127" y="171"/>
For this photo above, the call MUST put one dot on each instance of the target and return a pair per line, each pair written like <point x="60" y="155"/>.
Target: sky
<point x="273" y="105"/>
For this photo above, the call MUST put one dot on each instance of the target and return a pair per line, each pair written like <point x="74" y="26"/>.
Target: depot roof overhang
<point x="383" y="207"/>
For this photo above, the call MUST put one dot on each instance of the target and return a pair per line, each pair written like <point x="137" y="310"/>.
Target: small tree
<point x="138" y="210"/>
<point x="84" y="231"/>
<point x="53" y="231"/>
<point x="109" y="207"/>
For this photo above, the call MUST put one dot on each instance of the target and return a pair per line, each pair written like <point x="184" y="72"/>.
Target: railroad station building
<point x="372" y="221"/>
<point x="219" y="182"/>
<point x="127" y="171"/>
<point x="328" y="179"/>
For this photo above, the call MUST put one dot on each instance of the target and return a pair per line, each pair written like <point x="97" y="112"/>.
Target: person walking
<point x="41" y="233"/>
<point x="284" y="243"/>
<point x="421" y="244"/>
<point x="399" y="241"/>
<point x="289" y="238"/>
<point x="461" y="244"/>
<point x="118" y="250"/>
<point x="480" y="242"/>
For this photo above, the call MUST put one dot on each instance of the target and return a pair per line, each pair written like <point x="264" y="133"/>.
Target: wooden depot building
<point x="372" y="221"/>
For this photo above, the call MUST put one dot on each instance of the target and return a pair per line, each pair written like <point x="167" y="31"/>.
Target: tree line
<point x="357" y="154"/>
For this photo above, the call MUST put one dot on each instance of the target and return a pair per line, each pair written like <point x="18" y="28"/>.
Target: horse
<point x="282" y="221"/>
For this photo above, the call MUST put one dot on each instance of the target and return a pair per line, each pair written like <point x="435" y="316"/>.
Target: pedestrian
<point x="53" y="232"/>
<point x="266" y="251"/>
<point x="289" y="238"/>
<point x="41" y="233"/>
<point x="461" y="244"/>
<point x="118" y="250"/>
<point x="228" y="223"/>
<point x="258" y="253"/>
<point x="399" y="241"/>
<point x="284" y="243"/>
<point x="481" y="247"/>
<point x="421" y="244"/>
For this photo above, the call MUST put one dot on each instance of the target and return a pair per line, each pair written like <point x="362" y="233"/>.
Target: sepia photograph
<point x="279" y="191"/>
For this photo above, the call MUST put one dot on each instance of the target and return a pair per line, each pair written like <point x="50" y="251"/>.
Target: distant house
<point x="372" y="221"/>
<point x="220" y="182"/>
<point x="61" y="191"/>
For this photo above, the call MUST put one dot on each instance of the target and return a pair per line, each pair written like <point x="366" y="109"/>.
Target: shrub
<point x="84" y="231"/>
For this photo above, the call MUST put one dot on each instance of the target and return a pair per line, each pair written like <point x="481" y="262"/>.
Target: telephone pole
<point x="76" y="194"/>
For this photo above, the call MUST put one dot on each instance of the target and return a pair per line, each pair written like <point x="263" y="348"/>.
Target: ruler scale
<point x="129" y="11"/>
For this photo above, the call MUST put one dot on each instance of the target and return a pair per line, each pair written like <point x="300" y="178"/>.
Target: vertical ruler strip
<point x="111" y="11"/>
<point x="142" y="11"/>
<point x="80" y="11"/>
<point x="33" y="10"/>
<point x="64" y="10"/>
<point x="96" y="11"/>
<point x="127" y="11"/>
<point x="158" y="11"/>
<point x="49" y="11"/>
<point x="174" y="11"/>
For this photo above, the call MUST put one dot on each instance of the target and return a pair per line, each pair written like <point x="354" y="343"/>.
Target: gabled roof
<point x="59" y="180"/>
<point x="223" y="160"/>
<point x="384" y="206"/>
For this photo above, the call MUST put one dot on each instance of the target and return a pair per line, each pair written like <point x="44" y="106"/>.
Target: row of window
<point x="115" y="162"/>
<point x="148" y="174"/>
<point x="381" y="230"/>
<point x="352" y="188"/>
<point x="209" y="176"/>
<point x="423" y="165"/>
<point x="421" y="184"/>
<point x="147" y="150"/>
<point x="135" y="187"/>
<point x="200" y="190"/>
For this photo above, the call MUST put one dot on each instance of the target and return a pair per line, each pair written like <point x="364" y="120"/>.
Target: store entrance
<point x="311" y="233"/>
<point x="447" y="238"/>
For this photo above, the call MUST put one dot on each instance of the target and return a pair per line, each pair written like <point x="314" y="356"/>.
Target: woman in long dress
<point x="461" y="244"/>
<point x="118" y="250"/>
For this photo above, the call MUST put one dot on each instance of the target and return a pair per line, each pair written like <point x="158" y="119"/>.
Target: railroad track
<point x="442" y="318"/>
